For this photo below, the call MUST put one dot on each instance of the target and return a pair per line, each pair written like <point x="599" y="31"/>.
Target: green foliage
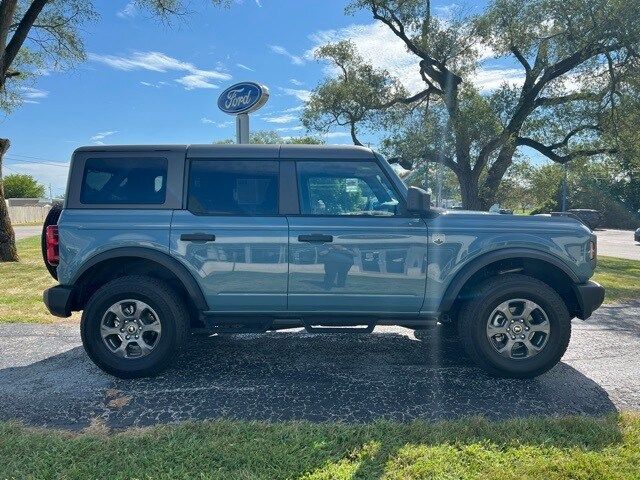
<point x="22" y="186"/>
<point x="271" y="137"/>
<point x="577" y="58"/>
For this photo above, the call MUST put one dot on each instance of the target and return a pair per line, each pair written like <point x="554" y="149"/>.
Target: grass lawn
<point x="22" y="284"/>
<point x="541" y="448"/>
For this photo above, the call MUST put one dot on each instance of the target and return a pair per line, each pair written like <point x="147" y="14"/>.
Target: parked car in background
<point x="591" y="218"/>
<point x="156" y="242"/>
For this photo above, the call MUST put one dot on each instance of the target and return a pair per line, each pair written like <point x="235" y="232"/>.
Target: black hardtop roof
<point x="244" y="150"/>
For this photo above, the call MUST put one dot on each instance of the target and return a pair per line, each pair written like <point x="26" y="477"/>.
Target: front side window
<point x="124" y="181"/>
<point x="345" y="188"/>
<point x="233" y="187"/>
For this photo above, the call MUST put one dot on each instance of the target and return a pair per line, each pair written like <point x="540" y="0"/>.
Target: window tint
<point x="345" y="188"/>
<point x="233" y="187"/>
<point x="124" y="181"/>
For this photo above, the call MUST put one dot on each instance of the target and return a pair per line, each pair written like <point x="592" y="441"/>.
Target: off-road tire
<point x="172" y="314"/>
<point x="474" y="315"/>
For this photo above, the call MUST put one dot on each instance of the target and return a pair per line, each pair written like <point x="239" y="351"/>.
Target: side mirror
<point x="406" y="164"/>
<point x="418" y="201"/>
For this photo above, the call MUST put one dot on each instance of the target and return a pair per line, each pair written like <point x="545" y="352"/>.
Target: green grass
<point x="620" y="277"/>
<point x="540" y="448"/>
<point x="22" y="284"/>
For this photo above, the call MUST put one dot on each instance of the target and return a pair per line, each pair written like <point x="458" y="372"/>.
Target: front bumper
<point x="58" y="300"/>
<point x="590" y="297"/>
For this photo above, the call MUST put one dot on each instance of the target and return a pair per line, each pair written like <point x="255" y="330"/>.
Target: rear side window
<point x="124" y="181"/>
<point x="233" y="187"/>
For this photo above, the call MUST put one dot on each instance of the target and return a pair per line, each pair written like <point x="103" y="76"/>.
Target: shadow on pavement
<point x="287" y="376"/>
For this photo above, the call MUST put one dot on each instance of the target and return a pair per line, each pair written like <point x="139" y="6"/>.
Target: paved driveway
<point x="618" y="243"/>
<point x="24" y="232"/>
<point x="46" y="378"/>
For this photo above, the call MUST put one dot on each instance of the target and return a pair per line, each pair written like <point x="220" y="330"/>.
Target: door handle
<point x="197" y="237"/>
<point x="315" y="238"/>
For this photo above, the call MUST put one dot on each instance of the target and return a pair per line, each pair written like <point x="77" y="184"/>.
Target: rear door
<point x="352" y="247"/>
<point x="231" y="234"/>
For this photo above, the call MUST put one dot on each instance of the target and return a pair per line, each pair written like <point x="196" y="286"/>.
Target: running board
<point x="350" y="329"/>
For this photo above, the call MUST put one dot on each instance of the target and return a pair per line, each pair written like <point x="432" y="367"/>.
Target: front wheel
<point x="134" y="326"/>
<point x="515" y="326"/>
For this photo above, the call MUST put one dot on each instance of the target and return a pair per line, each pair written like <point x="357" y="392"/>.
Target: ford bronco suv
<point x="155" y="243"/>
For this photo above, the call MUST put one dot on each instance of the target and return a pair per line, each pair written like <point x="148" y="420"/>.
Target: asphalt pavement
<point x="47" y="380"/>
<point x="618" y="243"/>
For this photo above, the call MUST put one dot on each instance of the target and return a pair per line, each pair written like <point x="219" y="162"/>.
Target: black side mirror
<point x="406" y="164"/>
<point x="418" y="201"/>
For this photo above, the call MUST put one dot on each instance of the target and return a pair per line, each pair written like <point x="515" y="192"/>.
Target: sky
<point x="146" y="83"/>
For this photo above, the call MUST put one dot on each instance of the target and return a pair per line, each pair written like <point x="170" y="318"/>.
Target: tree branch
<point x="20" y="35"/>
<point x="548" y="152"/>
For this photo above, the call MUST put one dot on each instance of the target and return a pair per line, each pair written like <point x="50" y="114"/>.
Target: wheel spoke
<point x="528" y="309"/>
<point x="531" y="348"/>
<point x="540" y="327"/>
<point x="507" y="347"/>
<point x="107" y="331"/>
<point x="152" y="327"/>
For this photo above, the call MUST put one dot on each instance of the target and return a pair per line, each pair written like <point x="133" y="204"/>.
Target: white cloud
<point x="298" y="108"/>
<point x="102" y="135"/>
<point x="287" y="118"/>
<point x="371" y="39"/>
<point x="336" y="134"/>
<point x="129" y="11"/>
<point x="296" y="82"/>
<point x="159" y="62"/>
<point x="296" y="60"/>
<point x="300" y="94"/>
<point x="259" y="3"/>
<point x="55" y="174"/>
<point x="290" y="129"/>
<point x="208" y="121"/>
<point x="244" y="67"/>
<point x="33" y="93"/>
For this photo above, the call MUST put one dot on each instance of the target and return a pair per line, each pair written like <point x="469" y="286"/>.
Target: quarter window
<point x="233" y="187"/>
<point x="124" y="181"/>
<point x="345" y="188"/>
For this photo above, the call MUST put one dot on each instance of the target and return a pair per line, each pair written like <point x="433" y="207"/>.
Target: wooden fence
<point x="30" y="214"/>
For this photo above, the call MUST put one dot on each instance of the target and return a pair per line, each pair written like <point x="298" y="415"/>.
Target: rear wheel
<point x="134" y="326"/>
<point x="515" y="326"/>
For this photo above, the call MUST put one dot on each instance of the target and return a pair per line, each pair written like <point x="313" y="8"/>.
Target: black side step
<point x="324" y="329"/>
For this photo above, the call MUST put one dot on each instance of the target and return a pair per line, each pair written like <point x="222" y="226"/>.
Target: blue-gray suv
<point x="155" y="243"/>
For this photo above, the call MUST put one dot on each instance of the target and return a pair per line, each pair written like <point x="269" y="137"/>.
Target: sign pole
<point x="242" y="128"/>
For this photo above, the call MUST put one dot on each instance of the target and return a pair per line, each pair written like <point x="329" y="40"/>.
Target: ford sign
<point x="243" y="97"/>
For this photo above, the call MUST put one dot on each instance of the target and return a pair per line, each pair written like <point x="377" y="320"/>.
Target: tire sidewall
<point x="98" y="351"/>
<point x="559" y="323"/>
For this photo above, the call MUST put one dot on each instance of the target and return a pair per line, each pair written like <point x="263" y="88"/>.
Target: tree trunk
<point x="469" y="190"/>
<point x="8" y="252"/>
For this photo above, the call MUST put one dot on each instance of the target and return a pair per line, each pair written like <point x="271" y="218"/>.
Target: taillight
<point x="53" y="250"/>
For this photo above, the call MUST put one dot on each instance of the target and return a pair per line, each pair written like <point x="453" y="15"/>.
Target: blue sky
<point x="145" y="82"/>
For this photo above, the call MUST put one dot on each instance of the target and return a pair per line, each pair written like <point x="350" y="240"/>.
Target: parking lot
<point x="618" y="243"/>
<point x="46" y="378"/>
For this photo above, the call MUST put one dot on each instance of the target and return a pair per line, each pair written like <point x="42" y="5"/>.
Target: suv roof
<point x="245" y="150"/>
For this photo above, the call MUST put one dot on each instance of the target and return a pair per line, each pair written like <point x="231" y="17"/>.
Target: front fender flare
<point x="475" y="265"/>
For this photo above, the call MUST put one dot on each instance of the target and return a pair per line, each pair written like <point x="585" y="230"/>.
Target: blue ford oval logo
<point x="243" y="97"/>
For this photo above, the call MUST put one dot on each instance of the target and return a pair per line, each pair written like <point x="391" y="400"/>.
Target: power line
<point x="49" y="163"/>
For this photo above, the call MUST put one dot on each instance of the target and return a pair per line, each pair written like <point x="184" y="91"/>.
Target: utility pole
<point x="50" y="194"/>
<point x="564" y="188"/>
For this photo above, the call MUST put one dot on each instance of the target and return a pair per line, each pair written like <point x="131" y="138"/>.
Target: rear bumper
<point x="58" y="300"/>
<point x="590" y="297"/>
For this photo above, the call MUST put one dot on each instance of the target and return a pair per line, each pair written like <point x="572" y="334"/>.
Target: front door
<point x="232" y="237"/>
<point x="352" y="248"/>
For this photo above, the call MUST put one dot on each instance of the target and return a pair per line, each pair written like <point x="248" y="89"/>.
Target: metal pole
<point x="242" y="128"/>
<point x="439" y="173"/>
<point x="564" y="189"/>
